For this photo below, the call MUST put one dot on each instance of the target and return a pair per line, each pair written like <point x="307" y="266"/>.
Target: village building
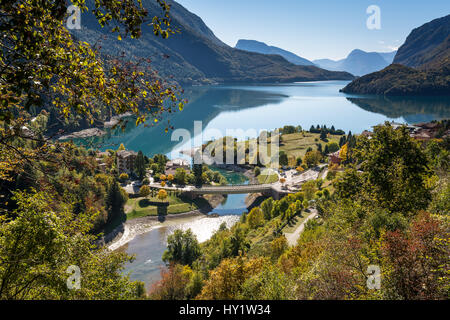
<point x="125" y="161"/>
<point x="367" y="134"/>
<point x="333" y="158"/>
<point x="173" y="165"/>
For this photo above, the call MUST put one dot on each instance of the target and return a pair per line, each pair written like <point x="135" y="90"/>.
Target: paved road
<point x="293" y="237"/>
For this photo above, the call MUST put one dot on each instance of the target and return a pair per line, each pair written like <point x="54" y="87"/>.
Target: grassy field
<point x="296" y="144"/>
<point x="151" y="206"/>
<point x="264" y="178"/>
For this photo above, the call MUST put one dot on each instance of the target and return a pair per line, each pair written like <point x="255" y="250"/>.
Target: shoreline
<point x="129" y="229"/>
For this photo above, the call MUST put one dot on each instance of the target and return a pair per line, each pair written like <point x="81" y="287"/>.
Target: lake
<point x="259" y="107"/>
<point x="266" y="107"/>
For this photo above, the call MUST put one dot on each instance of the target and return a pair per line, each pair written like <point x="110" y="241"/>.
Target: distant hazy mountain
<point x="421" y="65"/>
<point x="358" y="62"/>
<point x="195" y="55"/>
<point x="261" y="47"/>
<point x="388" y="56"/>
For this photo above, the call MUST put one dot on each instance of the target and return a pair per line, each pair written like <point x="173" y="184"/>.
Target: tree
<point x="139" y="166"/>
<point x="319" y="148"/>
<point x="182" y="247"/>
<point x="162" y="194"/>
<point x="326" y="150"/>
<point x="312" y="158"/>
<point x="144" y="191"/>
<point x="343" y="153"/>
<point x="198" y="173"/>
<point x="416" y="261"/>
<point x="332" y="147"/>
<point x="44" y="67"/>
<point x="309" y="188"/>
<point x="225" y="282"/>
<point x="349" y="185"/>
<point x="266" y="207"/>
<point x="123" y="177"/>
<point x="277" y="247"/>
<point x="269" y="284"/>
<point x="283" y="159"/>
<point x="180" y="176"/>
<point x="39" y="246"/>
<point x="173" y="284"/>
<point x="255" y="218"/>
<point x="115" y="200"/>
<point x="397" y="169"/>
<point x="323" y="134"/>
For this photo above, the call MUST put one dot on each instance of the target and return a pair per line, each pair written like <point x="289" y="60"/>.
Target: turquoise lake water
<point x="266" y="107"/>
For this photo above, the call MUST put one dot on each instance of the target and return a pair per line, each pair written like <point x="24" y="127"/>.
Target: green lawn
<point x="151" y="206"/>
<point x="296" y="144"/>
<point x="264" y="178"/>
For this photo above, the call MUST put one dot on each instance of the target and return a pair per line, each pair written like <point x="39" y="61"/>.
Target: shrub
<point x="144" y="191"/>
<point x="123" y="177"/>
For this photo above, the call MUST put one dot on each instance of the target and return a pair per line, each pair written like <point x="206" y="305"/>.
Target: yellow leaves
<point x="119" y="37"/>
<point x="156" y="120"/>
<point x="343" y="152"/>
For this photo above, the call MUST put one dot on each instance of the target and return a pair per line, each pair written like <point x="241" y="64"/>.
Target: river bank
<point x="129" y="229"/>
<point x="96" y="131"/>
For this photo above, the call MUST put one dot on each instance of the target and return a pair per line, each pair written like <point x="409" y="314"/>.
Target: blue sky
<point x="319" y="28"/>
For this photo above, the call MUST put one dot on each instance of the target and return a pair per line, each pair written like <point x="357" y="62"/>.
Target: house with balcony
<point x="125" y="161"/>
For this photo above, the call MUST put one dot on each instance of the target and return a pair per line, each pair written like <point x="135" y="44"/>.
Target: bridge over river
<point x="275" y="190"/>
<point x="232" y="189"/>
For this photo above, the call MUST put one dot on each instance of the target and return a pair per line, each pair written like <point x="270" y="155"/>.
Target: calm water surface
<point x="272" y="106"/>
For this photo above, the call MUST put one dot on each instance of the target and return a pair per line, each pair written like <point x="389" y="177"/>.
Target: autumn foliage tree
<point x="417" y="260"/>
<point x="44" y="68"/>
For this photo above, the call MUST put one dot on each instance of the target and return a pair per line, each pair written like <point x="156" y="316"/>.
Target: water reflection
<point x="412" y="109"/>
<point x="205" y="104"/>
<point x="272" y="106"/>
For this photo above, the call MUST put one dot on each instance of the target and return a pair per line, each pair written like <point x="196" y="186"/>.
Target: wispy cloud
<point x="389" y="47"/>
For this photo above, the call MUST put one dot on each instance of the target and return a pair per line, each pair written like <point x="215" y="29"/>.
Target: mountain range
<point x="261" y="47"/>
<point x="420" y="67"/>
<point x="358" y="62"/>
<point x="194" y="55"/>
